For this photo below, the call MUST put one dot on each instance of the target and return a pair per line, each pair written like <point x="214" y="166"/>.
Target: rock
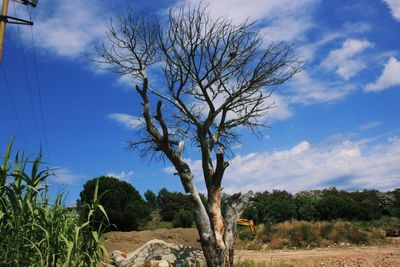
<point x="158" y="253"/>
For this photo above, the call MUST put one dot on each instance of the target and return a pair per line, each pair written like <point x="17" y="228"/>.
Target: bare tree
<point x="216" y="76"/>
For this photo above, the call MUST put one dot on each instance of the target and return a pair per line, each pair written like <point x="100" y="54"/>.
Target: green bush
<point x="124" y="205"/>
<point x="170" y="203"/>
<point x="183" y="219"/>
<point x="334" y="206"/>
<point x="281" y="210"/>
<point x="306" y="208"/>
<point x="395" y="212"/>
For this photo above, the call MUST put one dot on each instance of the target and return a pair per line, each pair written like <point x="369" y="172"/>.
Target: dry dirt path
<point x="365" y="256"/>
<point x="382" y="256"/>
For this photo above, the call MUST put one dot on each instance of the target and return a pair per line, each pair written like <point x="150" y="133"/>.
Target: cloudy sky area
<point x="337" y="123"/>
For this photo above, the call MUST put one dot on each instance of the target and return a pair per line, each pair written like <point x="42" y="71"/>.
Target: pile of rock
<point x="157" y="253"/>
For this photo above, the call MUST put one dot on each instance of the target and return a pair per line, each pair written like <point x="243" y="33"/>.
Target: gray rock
<point x="158" y="253"/>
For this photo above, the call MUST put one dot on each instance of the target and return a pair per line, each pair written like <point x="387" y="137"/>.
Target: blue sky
<point x="337" y="123"/>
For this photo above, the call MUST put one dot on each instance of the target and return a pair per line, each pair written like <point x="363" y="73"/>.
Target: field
<point x="363" y="256"/>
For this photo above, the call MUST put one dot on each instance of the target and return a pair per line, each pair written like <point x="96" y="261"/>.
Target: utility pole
<point x="4" y="11"/>
<point x="4" y="19"/>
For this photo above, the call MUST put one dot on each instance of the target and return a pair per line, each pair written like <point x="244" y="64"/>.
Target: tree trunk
<point x="220" y="252"/>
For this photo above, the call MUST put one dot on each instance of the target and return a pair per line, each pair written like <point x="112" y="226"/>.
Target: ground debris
<point x="158" y="253"/>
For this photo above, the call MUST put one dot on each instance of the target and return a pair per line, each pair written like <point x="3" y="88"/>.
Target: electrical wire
<point x="29" y="10"/>
<point x="13" y="104"/>
<point x="28" y="83"/>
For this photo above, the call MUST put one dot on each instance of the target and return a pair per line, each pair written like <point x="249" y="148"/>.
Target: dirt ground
<point x="362" y="256"/>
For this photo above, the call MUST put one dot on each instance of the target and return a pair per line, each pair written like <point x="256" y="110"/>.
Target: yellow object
<point x="248" y="223"/>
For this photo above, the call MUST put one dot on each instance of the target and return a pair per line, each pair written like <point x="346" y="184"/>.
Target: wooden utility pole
<point x="3" y="19"/>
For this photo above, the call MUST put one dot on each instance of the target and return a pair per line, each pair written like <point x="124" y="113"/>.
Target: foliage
<point x="183" y="219"/>
<point x="320" y="234"/>
<point x="333" y="206"/>
<point x="124" y="205"/>
<point x="327" y="204"/>
<point x="170" y="203"/>
<point x="37" y="233"/>
<point x="306" y="209"/>
<point x="151" y="199"/>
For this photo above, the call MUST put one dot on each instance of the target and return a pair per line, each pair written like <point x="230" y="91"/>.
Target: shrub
<point x="326" y="230"/>
<point x="302" y="235"/>
<point x="356" y="236"/>
<point x="183" y="219"/>
<point x="334" y="206"/>
<point x="125" y="207"/>
<point x="170" y="203"/>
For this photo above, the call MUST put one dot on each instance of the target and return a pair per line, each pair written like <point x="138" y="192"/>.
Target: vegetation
<point x="171" y="203"/>
<point x="35" y="232"/>
<point x="303" y="234"/>
<point x="323" y="205"/>
<point x="183" y="219"/>
<point x="123" y="204"/>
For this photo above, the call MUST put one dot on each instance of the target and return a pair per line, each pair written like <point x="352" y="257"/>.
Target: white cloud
<point x="369" y="125"/>
<point x="280" y="108"/>
<point x="69" y="28"/>
<point x="390" y="77"/>
<point x="394" y="6"/>
<point x="349" y="165"/>
<point x="125" y="176"/>
<point x="65" y="176"/>
<point x="286" y="29"/>
<point x="307" y="90"/>
<point x="285" y="20"/>
<point x="343" y="163"/>
<point x="129" y="121"/>
<point x="342" y="60"/>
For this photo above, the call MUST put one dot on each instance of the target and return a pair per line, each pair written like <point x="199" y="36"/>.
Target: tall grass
<point x="36" y="232"/>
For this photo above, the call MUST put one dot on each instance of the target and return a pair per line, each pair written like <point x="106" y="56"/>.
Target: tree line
<point x="323" y="205"/>
<point x="128" y="210"/>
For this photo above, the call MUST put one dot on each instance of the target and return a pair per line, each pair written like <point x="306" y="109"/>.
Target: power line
<point x="38" y="83"/>
<point x="13" y="104"/>
<point x="28" y="83"/>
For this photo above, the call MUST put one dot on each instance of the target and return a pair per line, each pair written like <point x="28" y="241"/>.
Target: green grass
<point x="35" y="232"/>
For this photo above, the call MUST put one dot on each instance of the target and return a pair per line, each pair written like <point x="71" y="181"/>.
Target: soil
<point x="360" y="256"/>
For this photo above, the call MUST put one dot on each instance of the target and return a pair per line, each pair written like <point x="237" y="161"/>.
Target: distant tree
<point x="151" y="199"/>
<point x="280" y="210"/>
<point x="387" y="202"/>
<point x="336" y="206"/>
<point x="361" y="196"/>
<point x="170" y="203"/>
<point x="183" y="218"/>
<point x="396" y="207"/>
<point x="369" y="210"/>
<point x="125" y="207"/>
<point x="305" y="206"/>
<point x="214" y="78"/>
